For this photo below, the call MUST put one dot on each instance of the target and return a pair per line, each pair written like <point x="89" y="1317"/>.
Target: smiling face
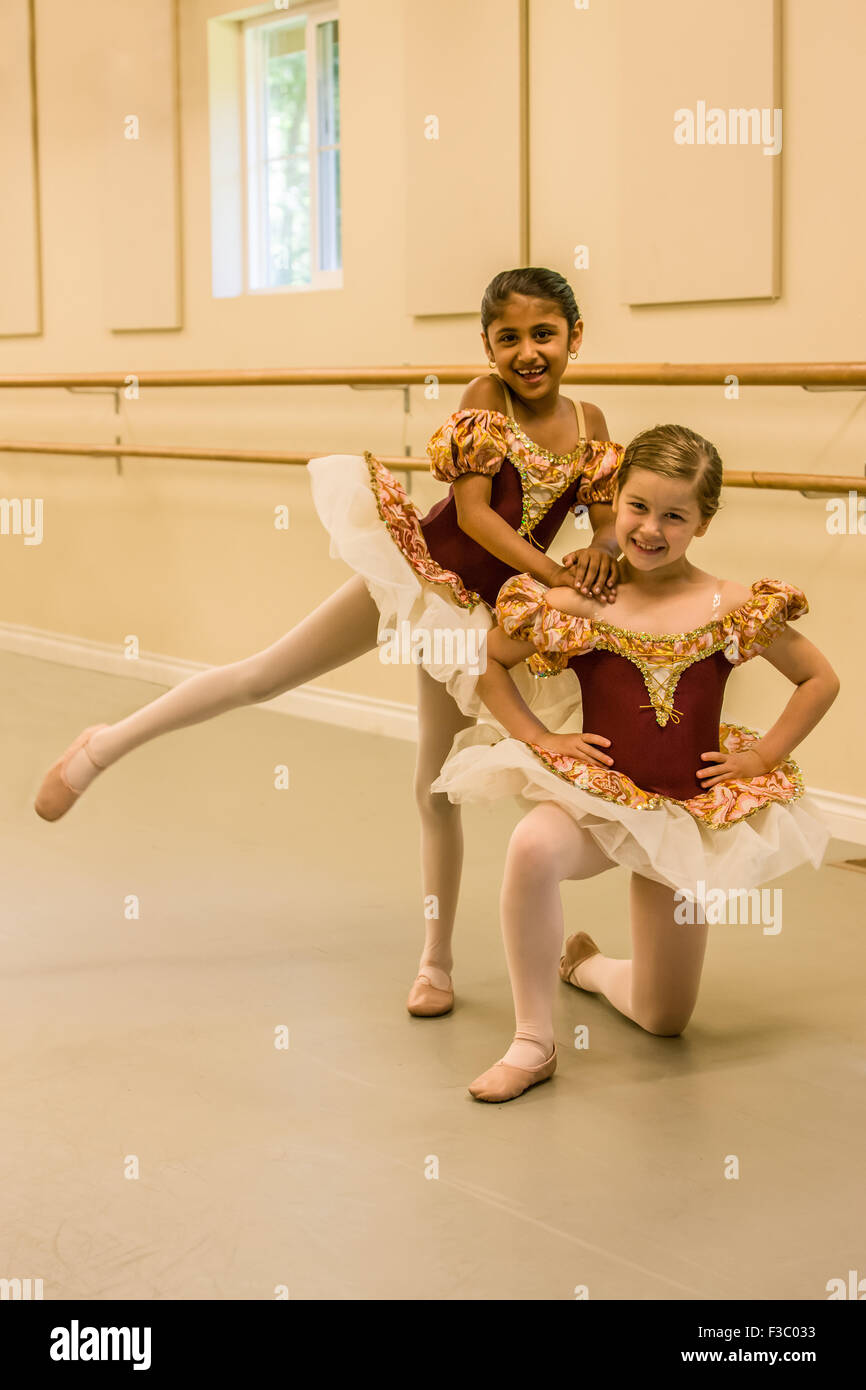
<point x="529" y="342"/>
<point x="656" y="518"/>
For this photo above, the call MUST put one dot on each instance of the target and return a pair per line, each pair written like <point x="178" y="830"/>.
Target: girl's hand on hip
<point x="580" y="746"/>
<point x="731" y="766"/>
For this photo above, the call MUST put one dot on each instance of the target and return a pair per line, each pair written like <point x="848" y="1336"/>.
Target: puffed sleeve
<point x="470" y="441"/>
<point x="751" y="628"/>
<point x="599" y="474"/>
<point x="522" y="613"/>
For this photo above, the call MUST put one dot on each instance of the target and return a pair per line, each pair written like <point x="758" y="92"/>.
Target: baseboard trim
<point x="846" y="814"/>
<point x="365" y="713"/>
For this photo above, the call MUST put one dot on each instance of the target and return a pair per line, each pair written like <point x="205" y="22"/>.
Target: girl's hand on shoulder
<point x="585" y="747"/>
<point x="563" y="578"/>
<point x="592" y="571"/>
<point x="731" y="766"/>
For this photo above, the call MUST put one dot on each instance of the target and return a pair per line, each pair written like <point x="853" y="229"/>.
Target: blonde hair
<point x="673" y="451"/>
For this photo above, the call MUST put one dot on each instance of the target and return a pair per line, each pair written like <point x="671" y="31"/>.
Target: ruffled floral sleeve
<point x="522" y="613"/>
<point x="470" y="441"/>
<point x="600" y="472"/>
<point x="751" y="628"/>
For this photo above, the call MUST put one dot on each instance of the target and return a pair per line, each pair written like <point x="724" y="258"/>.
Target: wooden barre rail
<point x="839" y="374"/>
<point x="784" y="482"/>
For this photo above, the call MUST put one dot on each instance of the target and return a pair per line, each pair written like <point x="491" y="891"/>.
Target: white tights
<point x="340" y="629"/>
<point x="657" y="988"/>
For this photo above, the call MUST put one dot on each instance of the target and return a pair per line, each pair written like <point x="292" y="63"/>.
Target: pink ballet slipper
<point x="55" y="796"/>
<point x="426" y="1001"/>
<point x="502" y="1081"/>
<point x="578" y="948"/>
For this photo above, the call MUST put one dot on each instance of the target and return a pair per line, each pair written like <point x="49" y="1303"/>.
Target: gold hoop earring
<point x="572" y="356"/>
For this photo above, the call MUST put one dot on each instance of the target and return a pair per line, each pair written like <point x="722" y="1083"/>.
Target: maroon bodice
<point x="660" y="759"/>
<point x="454" y="550"/>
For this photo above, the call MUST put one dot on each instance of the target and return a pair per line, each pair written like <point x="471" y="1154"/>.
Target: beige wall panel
<point x="699" y="220"/>
<point x="140" y="189"/>
<point x="463" y="69"/>
<point x="20" y="300"/>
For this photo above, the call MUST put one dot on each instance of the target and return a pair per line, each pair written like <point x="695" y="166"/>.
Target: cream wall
<point x="186" y="556"/>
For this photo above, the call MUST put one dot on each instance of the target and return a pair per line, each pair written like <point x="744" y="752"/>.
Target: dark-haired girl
<point x="519" y="456"/>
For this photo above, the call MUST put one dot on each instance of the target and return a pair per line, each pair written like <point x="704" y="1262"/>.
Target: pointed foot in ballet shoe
<point x="578" y="948"/>
<point x="504" y="1082"/>
<point x="426" y="1001"/>
<point x="55" y="796"/>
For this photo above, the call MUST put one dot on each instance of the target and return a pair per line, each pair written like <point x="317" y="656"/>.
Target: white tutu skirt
<point x="662" y="842"/>
<point x="420" y="618"/>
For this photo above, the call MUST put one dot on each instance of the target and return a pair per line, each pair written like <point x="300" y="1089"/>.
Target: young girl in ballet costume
<point x="519" y="456"/>
<point x="654" y="782"/>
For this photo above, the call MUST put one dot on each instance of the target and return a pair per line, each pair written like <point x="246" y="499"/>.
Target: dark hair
<point x="674" y="451"/>
<point x="536" y="283"/>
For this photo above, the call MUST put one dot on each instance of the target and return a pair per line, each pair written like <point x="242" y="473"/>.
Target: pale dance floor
<point x="306" y="1167"/>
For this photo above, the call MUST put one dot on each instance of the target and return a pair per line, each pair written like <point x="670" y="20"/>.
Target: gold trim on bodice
<point x="660" y="677"/>
<point x="661" y="658"/>
<point x="479" y="441"/>
<point x="542" y="491"/>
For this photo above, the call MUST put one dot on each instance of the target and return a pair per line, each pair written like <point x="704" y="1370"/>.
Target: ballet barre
<point x="781" y="482"/>
<point x="809" y="375"/>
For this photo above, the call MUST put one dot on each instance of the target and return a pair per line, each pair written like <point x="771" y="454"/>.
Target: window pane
<point x="328" y="80"/>
<point x="288" y="130"/>
<point x="328" y="170"/>
<point x="288" y="255"/>
<point x="329" y="210"/>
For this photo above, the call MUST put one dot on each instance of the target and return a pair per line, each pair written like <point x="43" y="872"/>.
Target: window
<point x="292" y="77"/>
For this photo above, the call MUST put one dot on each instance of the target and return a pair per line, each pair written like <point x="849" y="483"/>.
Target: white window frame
<point x="253" y="78"/>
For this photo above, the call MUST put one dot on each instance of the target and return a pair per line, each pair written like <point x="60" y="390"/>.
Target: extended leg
<point x="658" y="988"/>
<point x="439" y="719"/>
<point x="340" y="629"/>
